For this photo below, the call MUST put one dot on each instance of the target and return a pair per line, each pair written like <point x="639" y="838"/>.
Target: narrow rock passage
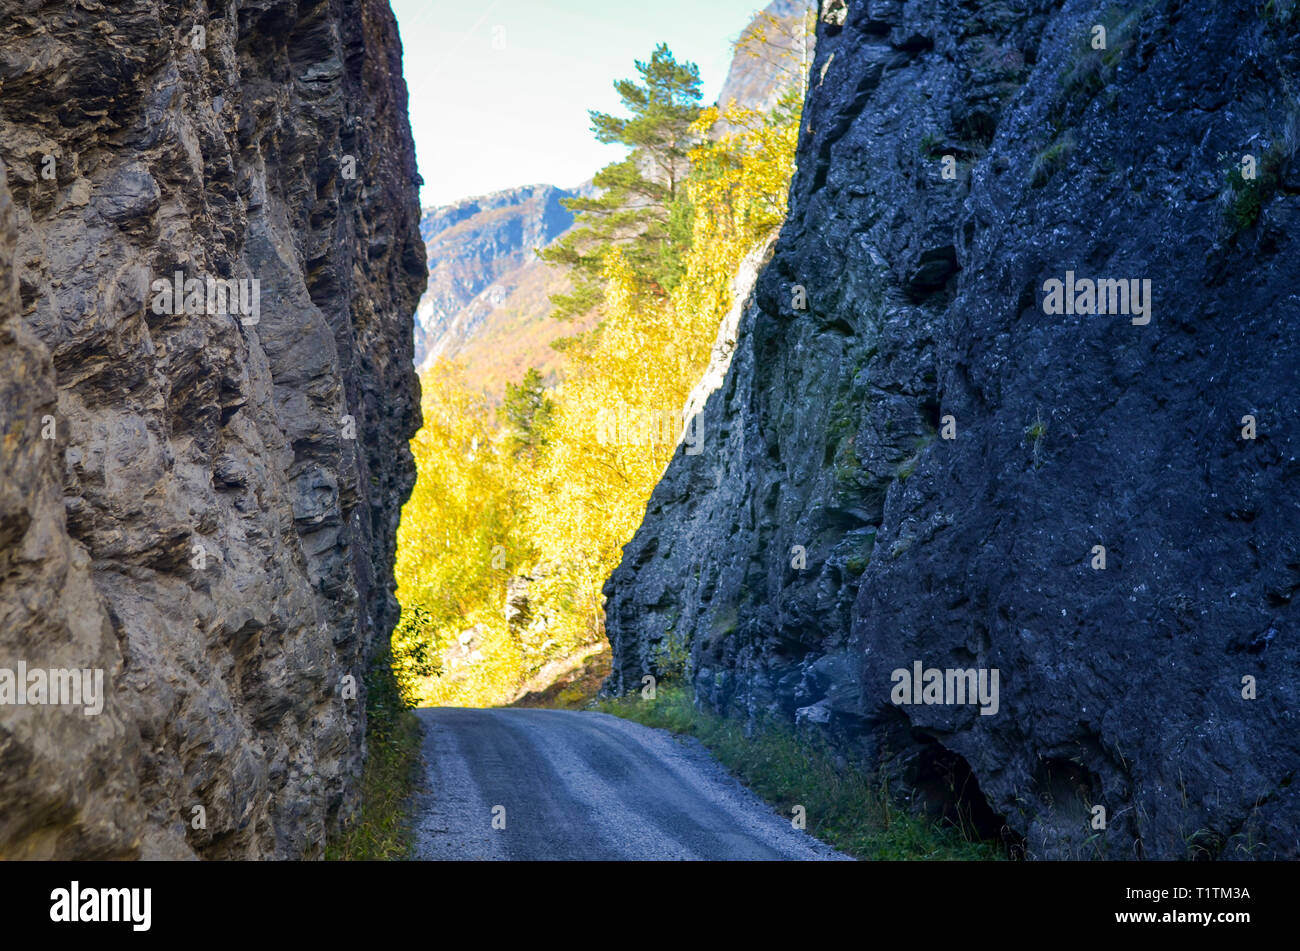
<point x="586" y="786"/>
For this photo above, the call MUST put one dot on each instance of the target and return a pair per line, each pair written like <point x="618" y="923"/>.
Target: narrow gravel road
<point x="586" y="786"/>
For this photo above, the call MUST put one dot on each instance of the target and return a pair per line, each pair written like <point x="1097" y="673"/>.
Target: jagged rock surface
<point x="205" y="526"/>
<point x="1120" y="687"/>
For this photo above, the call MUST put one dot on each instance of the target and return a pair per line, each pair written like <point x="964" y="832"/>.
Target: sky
<point x="499" y="89"/>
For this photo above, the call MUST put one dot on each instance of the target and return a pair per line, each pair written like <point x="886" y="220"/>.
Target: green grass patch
<point x="1245" y="196"/>
<point x="1035" y="432"/>
<point x="381" y="829"/>
<point x="845" y="808"/>
<point x="858" y="561"/>
<point x="1053" y="158"/>
<point x="931" y="145"/>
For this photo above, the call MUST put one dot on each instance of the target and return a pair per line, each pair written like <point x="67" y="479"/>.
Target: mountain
<point x="771" y="51"/>
<point x="919" y="464"/>
<point x="198" y="508"/>
<point x="483" y="269"/>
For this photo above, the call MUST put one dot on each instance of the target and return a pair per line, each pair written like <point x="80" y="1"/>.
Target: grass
<point x="858" y="561"/>
<point x="931" y="145"/>
<point x="381" y="830"/>
<point x="1278" y="12"/>
<point x="1035" y="432"/>
<point x="1244" y="198"/>
<point x="847" y="466"/>
<point x="908" y="467"/>
<point x="570" y="682"/>
<point x="845" y="808"/>
<point x="673" y="655"/>
<point x="1090" y="70"/>
<point x="857" y="564"/>
<point x="1052" y="159"/>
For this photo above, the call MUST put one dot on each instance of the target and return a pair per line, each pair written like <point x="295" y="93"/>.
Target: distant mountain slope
<point x="474" y="249"/>
<point x="506" y="328"/>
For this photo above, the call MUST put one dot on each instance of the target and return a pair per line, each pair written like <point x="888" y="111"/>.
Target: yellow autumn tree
<point x="619" y="414"/>
<point x="457" y="541"/>
<point x="556" y="518"/>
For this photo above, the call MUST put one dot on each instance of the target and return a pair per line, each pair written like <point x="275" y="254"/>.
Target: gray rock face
<point x="829" y="534"/>
<point x="771" y="51"/>
<point x="200" y="503"/>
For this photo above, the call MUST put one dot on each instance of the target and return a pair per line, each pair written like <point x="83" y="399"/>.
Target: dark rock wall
<point x="1120" y="687"/>
<point x="214" y="522"/>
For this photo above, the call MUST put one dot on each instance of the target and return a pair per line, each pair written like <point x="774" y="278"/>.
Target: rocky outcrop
<point x="771" y="53"/>
<point x="199" y="500"/>
<point x="925" y="462"/>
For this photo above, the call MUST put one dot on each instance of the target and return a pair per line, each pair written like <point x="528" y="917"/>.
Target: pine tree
<point x="642" y="206"/>
<point x="527" y="411"/>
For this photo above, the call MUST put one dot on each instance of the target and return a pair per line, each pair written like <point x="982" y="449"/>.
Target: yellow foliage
<point x="562" y="515"/>
<point x="457" y="540"/>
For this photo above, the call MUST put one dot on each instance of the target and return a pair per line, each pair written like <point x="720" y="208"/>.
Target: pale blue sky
<point x="500" y="89"/>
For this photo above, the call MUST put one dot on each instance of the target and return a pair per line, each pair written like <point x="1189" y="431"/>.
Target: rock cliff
<point x="919" y="453"/>
<point x="771" y="53"/>
<point x="199" y="492"/>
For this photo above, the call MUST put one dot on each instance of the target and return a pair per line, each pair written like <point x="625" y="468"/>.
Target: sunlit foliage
<point x="549" y="490"/>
